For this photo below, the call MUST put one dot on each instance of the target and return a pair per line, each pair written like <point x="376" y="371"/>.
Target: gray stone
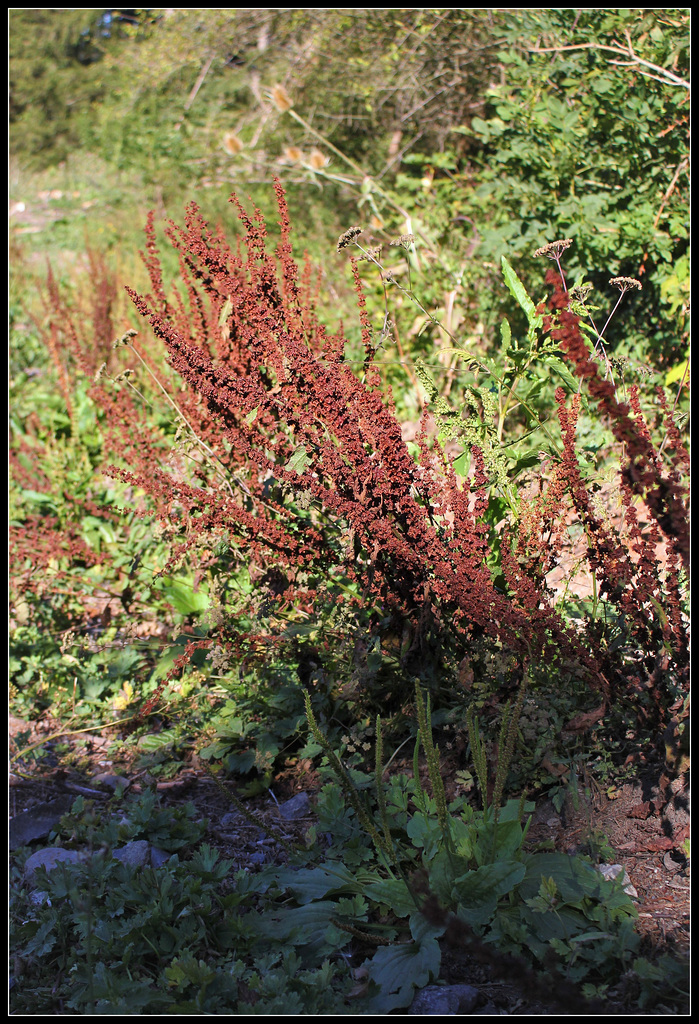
<point x="158" y="857"/>
<point x="38" y="821"/>
<point x="113" y="782"/>
<point x="231" y="820"/>
<point x="298" y="807"/>
<point x="436" y="1000"/>
<point x="135" y="854"/>
<point x="613" y="871"/>
<point x="49" y="859"/>
<point x="670" y="864"/>
<point x="38" y="897"/>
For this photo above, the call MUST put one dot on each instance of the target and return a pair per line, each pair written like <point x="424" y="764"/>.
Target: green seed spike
<point x="478" y="755"/>
<point x="380" y="794"/>
<point x="419" y="791"/>
<point x="433" y="767"/>
<point x="347" y="785"/>
<point x="508" y="737"/>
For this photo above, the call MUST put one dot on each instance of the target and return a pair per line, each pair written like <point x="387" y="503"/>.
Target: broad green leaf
<point x="156" y="740"/>
<point x="184" y="598"/>
<point x="310" y="925"/>
<point x="314" y="883"/>
<point x="677" y="373"/>
<point x="398" y="970"/>
<point x="298" y="461"/>
<point x="520" y="293"/>
<point x="575" y="879"/>
<point x="426" y="833"/>
<point x="394" y="893"/>
<point x="560" y="368"/>
<point x="505" y="334"/>
<point x="40" y="499"/>
<point x="461" y="464"/>
<point x="477" y="892"/>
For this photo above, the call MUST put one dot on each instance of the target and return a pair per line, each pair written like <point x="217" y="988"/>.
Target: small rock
<point x="231" y="819"/>
<point x="38" y="897"/>
<point x="38" y="821"/>
<point x="113" y="782"/>
<point x="49" y="859"/>
<point x="298" y="807"/>
<point x="678" y="883"/>
<point x="670" y="864"/>
<point x="612" y="871"/>
<point x="158" y="857"/>
<point x="436" y="1000"/>
<point x="135" y="854"/>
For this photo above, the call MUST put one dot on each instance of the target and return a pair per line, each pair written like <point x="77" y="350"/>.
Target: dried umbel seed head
<point x="580" y="292"/>
<point x="620" y="363"/>
<point x="347" y="238"/>
<point x="281" y="98"/>
<point x="373" y="254"/>
<point x="405" y="241"/>
<point x="554" y="250"/>
<point x="232" y="144"/>
<point x="124" y="339"/>
<point x="625" y="283"/>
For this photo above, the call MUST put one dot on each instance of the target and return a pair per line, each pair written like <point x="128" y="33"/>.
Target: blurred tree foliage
<point x="55" y="74"/>
<point x="499" y="129"/>
<point x="361" y="76"/>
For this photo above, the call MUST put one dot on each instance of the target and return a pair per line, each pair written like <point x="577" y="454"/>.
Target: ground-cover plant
<point x="324" y="932"/>
<point x="103" y="936"/>
<point x="400" y="867"/>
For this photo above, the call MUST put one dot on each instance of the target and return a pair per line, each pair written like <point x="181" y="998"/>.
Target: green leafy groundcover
<point x="314" y="935"/>
<point x="540" y="903"/>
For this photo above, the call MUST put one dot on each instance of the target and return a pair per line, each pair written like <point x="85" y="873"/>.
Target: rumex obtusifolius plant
<point x="631" y="576"/>
<point x="298" y="459"/>
<point x="318" y="484"/>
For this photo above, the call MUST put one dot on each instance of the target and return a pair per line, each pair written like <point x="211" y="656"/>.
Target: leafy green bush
<point x="587" y="137"/>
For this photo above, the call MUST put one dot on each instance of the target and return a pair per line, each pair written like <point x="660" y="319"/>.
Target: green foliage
<point x="176" y="939"/>
<point x="579" y="143"/>
<point x="473" y="862"/>
<point x="55" y="71"/>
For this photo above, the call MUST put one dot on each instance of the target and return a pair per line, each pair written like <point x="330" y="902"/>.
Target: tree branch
<point x="667" y="76"/>
<point x="197" y="86"/>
